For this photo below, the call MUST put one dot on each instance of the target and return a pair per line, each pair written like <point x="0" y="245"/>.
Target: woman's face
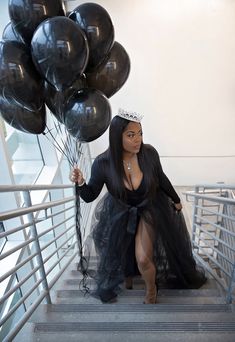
<point x="132" y="137"/>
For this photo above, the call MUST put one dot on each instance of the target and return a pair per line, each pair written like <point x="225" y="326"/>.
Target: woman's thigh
<point x="144" y="241"/>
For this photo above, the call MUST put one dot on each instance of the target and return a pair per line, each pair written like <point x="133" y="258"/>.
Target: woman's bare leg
<point x="144" y="258"/>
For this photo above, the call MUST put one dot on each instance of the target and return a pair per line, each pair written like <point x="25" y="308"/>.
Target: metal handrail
<point x="217" y="225"/>
<point x="215" y="213"/>
<point x="59" y="259"/>
<point x="221" y="186"/>
<point x="59" y="236"/>
<point x="44" y="292"/>
<point x="55" y="226"/>
<point x="37" y="302"/>
<point x="15" y="249"/>
<point x="215" y="240"/>
<point x="38" y="270"/>
<point x="18" y="285"/>
<point x="216" y="199"/>
<point x="17" y="229"/>
<point x="37" y="207"/>
<point x="30" y="187"/>
<point x="17" y="267"/>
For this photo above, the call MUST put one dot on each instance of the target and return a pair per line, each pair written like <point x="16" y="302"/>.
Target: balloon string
<point x="55" y="143"/>
<point x="65" y="147"/>
<point x="65" y="143"/>
<point x="70" y="143"/>
<point x="71" y="149"/>
<point x="83" y="264"/>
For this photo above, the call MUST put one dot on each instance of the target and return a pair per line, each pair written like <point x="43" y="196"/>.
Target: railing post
<point x="39" y="258"/>
<point x="195" y="210"/>
<point x="231" y="287"/>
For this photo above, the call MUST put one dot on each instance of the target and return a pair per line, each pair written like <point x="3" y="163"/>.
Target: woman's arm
<point x="89" y="192"/>
<point x="165" y="184"/>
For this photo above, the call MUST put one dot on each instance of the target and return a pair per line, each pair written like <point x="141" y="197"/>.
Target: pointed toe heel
<point x="151" y="296"/>
<point x="129" y="283"/>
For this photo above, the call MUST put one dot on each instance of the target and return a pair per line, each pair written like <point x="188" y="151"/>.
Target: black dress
<point x="115" y="224"/>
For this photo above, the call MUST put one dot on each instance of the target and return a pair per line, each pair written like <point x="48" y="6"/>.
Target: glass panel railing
<point x="25" y="155"/>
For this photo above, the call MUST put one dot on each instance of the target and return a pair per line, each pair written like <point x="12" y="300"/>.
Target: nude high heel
<point x="151" y="296"/>
<point x="129" y="283"/>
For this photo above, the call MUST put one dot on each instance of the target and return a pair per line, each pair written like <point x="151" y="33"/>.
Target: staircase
<point x="180" y="315"/>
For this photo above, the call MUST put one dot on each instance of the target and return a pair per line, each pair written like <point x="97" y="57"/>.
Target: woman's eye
<point x="131" y="135"/>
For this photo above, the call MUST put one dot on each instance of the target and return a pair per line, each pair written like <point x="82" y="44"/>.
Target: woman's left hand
<point x="178" y="206"/>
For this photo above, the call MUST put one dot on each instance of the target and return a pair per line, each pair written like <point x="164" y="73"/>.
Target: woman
<point x="139" y="227"/>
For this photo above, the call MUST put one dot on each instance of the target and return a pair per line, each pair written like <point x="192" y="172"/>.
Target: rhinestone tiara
<point x="131" y="116"/>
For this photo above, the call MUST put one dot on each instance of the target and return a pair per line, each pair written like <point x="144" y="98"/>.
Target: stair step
<point x="75" y="292"/>
<point x="72" y="298"/>
<point x="74" y="281"/>
<point x="138" y="308"/>
<point x="202" y="315"/>
<point x="120" y="336"/>
<point x="172" y="326"/>
<point x="75" y="278"/>
<point x="45" y="315"/>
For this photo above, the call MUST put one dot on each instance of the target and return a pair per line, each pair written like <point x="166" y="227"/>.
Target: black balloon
<point x="26" y="15"/>
<point x="10" y="34"/>
<point x="19" y="79"/>
<point x="95" y="21"/>
<point x="56" y="100"/>
<point x="110" y="76"/>
<point x="59" y="51"/>
<point x="22" y="119"/>
<point x="87" y="115"/>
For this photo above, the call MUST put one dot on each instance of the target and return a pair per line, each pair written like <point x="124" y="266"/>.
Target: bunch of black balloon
<point x="69" y="63"/>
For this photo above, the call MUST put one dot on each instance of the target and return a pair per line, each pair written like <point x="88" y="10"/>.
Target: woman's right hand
<point x="76" y="176"/>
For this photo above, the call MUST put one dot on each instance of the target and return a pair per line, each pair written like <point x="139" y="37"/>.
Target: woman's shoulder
<point x="150" y="149"/>
<point x="100" y="165"/>
<point x="102" y="158"/>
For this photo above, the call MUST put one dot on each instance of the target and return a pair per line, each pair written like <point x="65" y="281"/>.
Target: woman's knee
<point x="143" y="261"/>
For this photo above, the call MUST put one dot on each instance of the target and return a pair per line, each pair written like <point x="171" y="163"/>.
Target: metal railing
<point x="213" y="233"/>
<point x="48" y="245"/>
<point x="45" y="244"/>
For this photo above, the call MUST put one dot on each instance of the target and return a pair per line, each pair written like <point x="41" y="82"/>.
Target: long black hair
<point x="115" y="153"/>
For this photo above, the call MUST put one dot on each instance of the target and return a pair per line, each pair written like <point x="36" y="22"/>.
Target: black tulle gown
<point x="114" y="228"/>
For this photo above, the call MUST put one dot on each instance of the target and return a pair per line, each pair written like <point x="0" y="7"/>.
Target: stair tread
<point x="179" y="316"/>
<point x="75" y="279"/>
<point x="141" y="292"/>
<point x="132" y="336"/>
<point x="138" y="326"/>
<point x="138" y="307"/>
<point x="139" y="300"/>
<point x="131" y="317"/>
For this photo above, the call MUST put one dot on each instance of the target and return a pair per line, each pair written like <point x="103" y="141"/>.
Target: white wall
<point x="182" y="79"/>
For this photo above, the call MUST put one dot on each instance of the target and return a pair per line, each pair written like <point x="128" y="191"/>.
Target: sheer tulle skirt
<point x="112" y="242"/>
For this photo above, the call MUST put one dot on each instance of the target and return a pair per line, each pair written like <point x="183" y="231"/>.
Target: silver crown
<point x="131" y="116"/>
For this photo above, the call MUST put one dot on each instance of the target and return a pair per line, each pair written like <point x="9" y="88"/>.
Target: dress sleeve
<point x="89" y="192"/>
<point x="164" y="182"/>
